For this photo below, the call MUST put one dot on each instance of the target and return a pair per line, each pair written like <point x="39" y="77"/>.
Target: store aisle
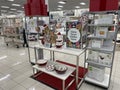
<point x="15" y="71"/>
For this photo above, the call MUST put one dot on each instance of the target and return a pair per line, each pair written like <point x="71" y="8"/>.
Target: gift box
<point x="97" y="5"/>
<point x="38" y="2"/>
<point x="35" y="7"/>
<point x="27" y="9"/>
<point x="36" y="11"/>
<point x="30" y="1"/>
<point x="112" y="4"/>
<point x="96" y="43"/>
<point x="103" y="5"/>
<point x="101" y="32"/>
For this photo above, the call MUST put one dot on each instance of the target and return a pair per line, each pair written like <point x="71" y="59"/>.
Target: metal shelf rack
<point x="103" y="49"/>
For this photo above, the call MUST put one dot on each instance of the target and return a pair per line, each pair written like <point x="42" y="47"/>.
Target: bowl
<point x="60" y="69"/>
<point x="42" y="62"/>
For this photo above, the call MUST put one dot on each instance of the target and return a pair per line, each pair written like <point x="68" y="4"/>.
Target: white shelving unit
<point x="63" y="77"/>
<point x="68" y="51"/>
<point x="12" y="31"/>
<point x="104" y="49"/>
<point x="104" y="83"/>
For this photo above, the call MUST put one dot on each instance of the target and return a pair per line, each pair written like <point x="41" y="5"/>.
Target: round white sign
<point x="74" y="35"/>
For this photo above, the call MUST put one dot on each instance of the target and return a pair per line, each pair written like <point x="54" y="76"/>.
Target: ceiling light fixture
<point x="77" y="7"/>
<point x="11" y="12"/>
<point x="82" y="3"/>
<point x="16" y="5"/>
<point x="19" y="11"/>
<point x="62" y="2"/>
<point x="4" y="7"/>
<point x="12" y="9"/>
<point x="3" y="10"/>
<point x="10" y="0"/>
<point x="60" y="6"/>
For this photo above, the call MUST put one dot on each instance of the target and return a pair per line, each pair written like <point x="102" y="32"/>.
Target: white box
<point x="104" y="19"/>
<point x="96" y="72"/>
<point x="105" y="58"/>
<point x="93" y="56"/>
<point x="101" y="32"/>
<point x="96" y="43"/>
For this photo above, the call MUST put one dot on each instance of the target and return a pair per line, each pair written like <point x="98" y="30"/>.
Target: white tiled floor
<point x="15" y="70"/>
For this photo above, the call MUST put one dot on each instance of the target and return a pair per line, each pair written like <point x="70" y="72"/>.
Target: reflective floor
<point x="15" y="70"/>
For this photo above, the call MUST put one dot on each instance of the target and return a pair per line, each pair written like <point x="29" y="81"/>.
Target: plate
<point x="50" y="67"/>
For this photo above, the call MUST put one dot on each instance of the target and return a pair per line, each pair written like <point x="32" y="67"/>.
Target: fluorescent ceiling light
<point x="19" y="11"/>
<point x="11" y="12"/>
<point x="62" y="2"/>
<point x="10" y="0"/>
<point x="22" y="7"/>
<point x="82" y="3"/>
<point x="12" y="9"/>
<point x="3" y="10"/>
<point x="4" y="7"/>
<point x="60" y="6"/>
<point x="77" y="6"/>
<point x="16" y="5"/>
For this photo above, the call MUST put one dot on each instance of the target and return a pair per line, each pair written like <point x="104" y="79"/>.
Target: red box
<point x="94" y="5"/>
<point x="27" y="9"/>
<point x="27" y="12"/>
<point x="36" y="11"/>
<point x="38" y="5"/>
<point x="45" y="13"/>
<point x="112" y="4"/>
<point x="30" y="1"/>
<point x="103" y="5"/>
<point x="38" y="1"/>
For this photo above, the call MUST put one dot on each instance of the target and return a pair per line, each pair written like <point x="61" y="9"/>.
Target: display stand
<point x="68" y="51"/>
<point x="100" y="49"/>
<point x="12" y="31"/>
<point x="30" y="31"/>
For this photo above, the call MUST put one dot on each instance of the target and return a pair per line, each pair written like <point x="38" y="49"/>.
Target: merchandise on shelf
<point x="100" y="57"/>
<point x="59" y="40"/>
<point x="49" y="37"/>
<point x="104" y="19"/>
<point x="96" y="72"/>
<point x="96" y="43"/>
<point x="101" y="32"/>
<point x="100" y="47"/>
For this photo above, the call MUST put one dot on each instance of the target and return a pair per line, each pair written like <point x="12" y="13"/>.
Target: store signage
<point x="74" y="35"/>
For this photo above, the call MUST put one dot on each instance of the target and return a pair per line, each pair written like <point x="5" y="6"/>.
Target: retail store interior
<point x="59" y="45"/>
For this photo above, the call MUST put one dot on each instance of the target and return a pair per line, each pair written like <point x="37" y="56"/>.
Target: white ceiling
<point x="70" y="4"/>
<point x="53" y="4"/>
